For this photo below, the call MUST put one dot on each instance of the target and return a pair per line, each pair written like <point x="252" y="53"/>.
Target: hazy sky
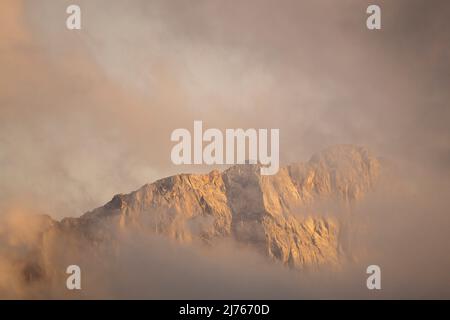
<point x="88" y="114"/>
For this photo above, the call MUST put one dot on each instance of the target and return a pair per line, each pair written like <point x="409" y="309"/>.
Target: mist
<point x="401" y="230"/>
<point x="86" y="115"/>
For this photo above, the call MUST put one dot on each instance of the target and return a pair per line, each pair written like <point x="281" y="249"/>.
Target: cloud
<point x="85" y="115"/>
<point x="94" y="109"/>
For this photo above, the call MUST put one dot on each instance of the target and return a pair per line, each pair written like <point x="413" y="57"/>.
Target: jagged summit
<point x="262" y="211"/>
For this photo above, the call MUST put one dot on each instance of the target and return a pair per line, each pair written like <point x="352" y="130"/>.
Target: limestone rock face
<point x="276" y="215"/>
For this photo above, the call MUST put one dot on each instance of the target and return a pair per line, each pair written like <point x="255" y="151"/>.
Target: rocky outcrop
<point x="278" y="215"/>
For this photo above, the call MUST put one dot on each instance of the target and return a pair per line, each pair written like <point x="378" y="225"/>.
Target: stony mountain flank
<point x="278" y="215"/>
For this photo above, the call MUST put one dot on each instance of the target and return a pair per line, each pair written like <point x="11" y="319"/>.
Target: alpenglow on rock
<point x="277" y="215"/>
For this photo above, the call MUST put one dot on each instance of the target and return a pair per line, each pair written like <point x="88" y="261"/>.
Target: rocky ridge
<point x="278" y="215"/>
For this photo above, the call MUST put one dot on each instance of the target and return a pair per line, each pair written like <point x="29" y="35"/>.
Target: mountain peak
<point x="262" y="211"/>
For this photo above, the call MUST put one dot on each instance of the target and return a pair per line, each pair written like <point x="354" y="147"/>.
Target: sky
<point x="87" y="114"/>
